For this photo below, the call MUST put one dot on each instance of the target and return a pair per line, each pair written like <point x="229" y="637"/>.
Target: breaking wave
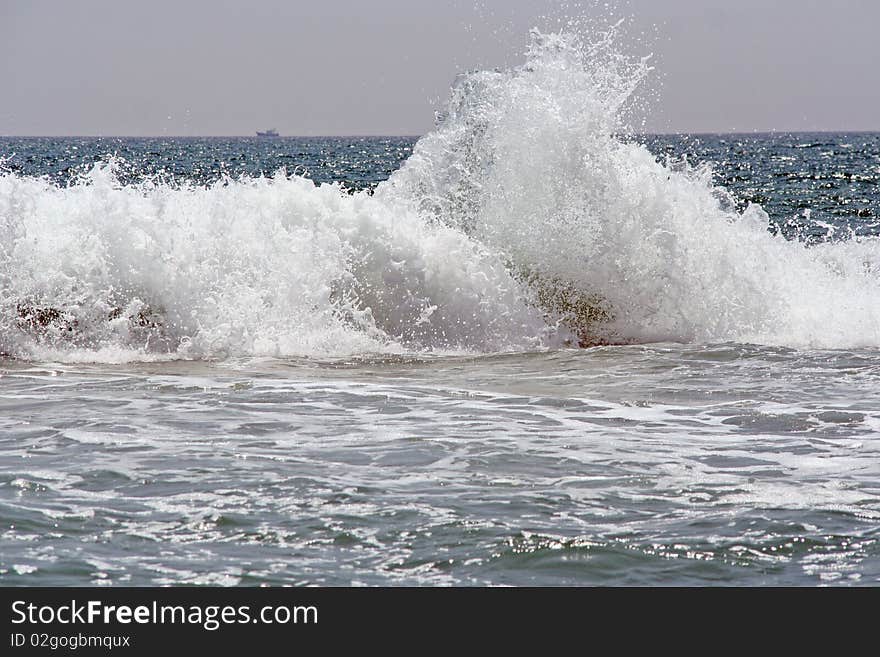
<point x="524" y="220"/>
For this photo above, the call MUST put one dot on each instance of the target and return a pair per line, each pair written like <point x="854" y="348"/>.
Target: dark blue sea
<point x="527" y="348"/>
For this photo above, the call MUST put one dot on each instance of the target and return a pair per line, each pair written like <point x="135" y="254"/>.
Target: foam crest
<point x="524" y="220"/>
<point x="530" y="162"/>
<point x="272" y="266"/>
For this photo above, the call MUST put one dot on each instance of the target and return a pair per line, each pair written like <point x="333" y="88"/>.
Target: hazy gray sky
<point x="222" y="67"/>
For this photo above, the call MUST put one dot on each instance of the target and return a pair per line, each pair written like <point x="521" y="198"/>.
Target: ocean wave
<point x="524" y="220"/>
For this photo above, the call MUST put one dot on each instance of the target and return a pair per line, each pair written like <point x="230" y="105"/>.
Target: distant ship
<point x="271" y="132"/>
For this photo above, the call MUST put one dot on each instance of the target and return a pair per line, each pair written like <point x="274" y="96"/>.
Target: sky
<point x="382" y="67"/>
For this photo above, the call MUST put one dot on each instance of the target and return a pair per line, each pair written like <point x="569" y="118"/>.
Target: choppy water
<point x="216" y="377"/>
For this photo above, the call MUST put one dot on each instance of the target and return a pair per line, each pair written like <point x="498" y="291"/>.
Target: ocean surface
<point x="528" y="348"/>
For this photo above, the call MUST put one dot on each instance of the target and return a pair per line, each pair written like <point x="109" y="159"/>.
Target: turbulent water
<point x="526" y="348"/>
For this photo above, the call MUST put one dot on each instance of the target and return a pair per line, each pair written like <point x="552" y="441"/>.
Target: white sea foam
<point x="529" y="162"/>
<point x="266" y="267"/>
<point x="525" y="179"/>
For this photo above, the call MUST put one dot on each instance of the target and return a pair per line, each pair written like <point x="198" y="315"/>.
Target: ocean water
<point x="529" y="347"/>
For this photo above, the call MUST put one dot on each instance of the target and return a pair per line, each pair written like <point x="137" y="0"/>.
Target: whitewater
<point x="522" y="349"/>
<point x="524" y="189"/>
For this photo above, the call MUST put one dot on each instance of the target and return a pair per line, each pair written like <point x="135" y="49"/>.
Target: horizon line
<point x="646" y="133"/>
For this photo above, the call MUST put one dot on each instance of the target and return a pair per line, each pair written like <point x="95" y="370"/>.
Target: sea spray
<point x="525" y="220"/>
<point x="530" y="162"/>
<point x="274" y="266"/>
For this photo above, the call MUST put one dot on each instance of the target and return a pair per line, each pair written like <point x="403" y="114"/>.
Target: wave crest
<point x="523" y="220"/>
